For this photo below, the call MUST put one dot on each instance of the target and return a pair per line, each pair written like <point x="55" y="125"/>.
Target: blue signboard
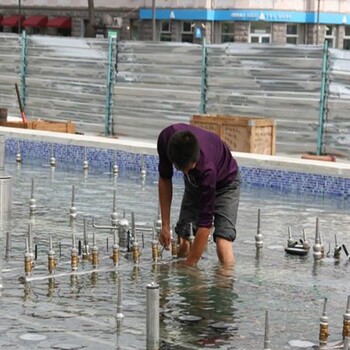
<point x="245" y="15"/>
<point x="198" y="33"/>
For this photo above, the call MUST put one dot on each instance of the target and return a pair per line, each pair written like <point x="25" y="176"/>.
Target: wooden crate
<point x="40" y="124"/>
<point x="242" y="134"/>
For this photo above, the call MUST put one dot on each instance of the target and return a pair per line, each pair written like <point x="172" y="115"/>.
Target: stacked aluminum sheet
<point x="10" y="60"/>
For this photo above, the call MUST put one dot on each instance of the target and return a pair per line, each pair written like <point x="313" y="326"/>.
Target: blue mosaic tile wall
<point x="297" y="181"/>
<point x="104" y="159"/>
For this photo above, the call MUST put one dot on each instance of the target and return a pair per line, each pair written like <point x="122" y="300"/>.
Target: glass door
<point x="260" y="33"/>
<point x="260" y="38"/>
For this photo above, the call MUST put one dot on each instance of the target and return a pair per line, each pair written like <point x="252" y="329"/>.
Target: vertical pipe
<point x="5" y="184"/>
<point x="152" y="319"/>
<point x="23" y="68"/>
<point x="154" y="21"/>
<point x="19" y="16"/>
<point x="318" y="21"/>
<point x="259" y="240"/>
<point x="321" y="112"/>
<point x="109" y="88"/>
<point x="2" y="155"/>
<point x="317" y="248"/>
<point x="73" y="209"/>
<point x="119" y="300"/>
<point x="267" y="331"/>
<point x="8" y="245"/>
<point x="203" y="107"/>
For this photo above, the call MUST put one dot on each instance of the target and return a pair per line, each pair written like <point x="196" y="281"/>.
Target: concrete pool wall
<point x="280" y="172"/>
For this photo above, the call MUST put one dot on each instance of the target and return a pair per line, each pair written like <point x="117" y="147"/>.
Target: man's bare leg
<point x="224" y="250"/>
<point x="184" y="248"/>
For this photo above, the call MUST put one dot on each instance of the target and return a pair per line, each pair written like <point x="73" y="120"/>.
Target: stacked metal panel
<point x="157" y="84"/>
<point x="66" y="80"/>
<point x="337" y="126"/>
<point x="10" y="60"/>
<point x="279" y="82"/>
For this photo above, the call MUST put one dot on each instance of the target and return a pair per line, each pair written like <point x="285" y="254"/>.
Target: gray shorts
<point x="225" y="214"/>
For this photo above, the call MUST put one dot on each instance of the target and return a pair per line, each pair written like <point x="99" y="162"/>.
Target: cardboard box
<point x="242" y="134"/>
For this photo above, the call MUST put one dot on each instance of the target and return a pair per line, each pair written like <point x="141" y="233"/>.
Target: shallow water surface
<point x="204" y="307"/>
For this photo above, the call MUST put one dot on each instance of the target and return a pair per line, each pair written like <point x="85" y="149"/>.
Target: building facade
<point x="218" y="21"/>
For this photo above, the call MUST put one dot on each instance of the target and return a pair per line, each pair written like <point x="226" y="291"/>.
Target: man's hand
<point x="165" y="238"/>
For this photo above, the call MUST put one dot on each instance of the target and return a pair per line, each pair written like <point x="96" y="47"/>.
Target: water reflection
<point x="198" y="305"/>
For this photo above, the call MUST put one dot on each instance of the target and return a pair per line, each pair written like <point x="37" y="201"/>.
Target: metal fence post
<point x="109" y="86"/>
<point x="23" y="68"/>
<point x="203" y="106"/>
<point x="322" y="107"/>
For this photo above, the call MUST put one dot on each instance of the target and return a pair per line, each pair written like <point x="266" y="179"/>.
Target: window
<point x="187" y="32"/>
<point x="346" y="42"/>
<point x="292" y="34"/>
<point x="165" y="31"/>
<point x="227" y="32"/>
<point x="329" y="36"/>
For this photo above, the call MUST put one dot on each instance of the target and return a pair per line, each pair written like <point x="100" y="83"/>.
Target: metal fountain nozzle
<point x="259" y="240"/>
<point x="115" y="164"/>
<point x="52" y="158"/>
<point x="123" y="228"/>
<point x="337" y="248"/>
<point x="317" y="247"/>
<point x="86" y="248"/>
<point x="51" y="258"/>
<point x="346" y="320"/>
<point x="267" y="332"/>
<point x="30" y="244"/>
<point x="32" y="201"/>
<point x="324" y="331"/>
<point x="306" y="244"/>
<point x="94" y="252"/>
<point x="143" y="169"/>
<point x="74" y="255"/>
<point x="136" y="252"/>
<point x="73" y="209"/>
<point x="114" y="215"/>
<point x="18" y="154"/>
<point x="135" y="248"/>
<point x="291" y="242"/>
<point x="155" y="245"/>
<point x="295" y="247"/>
<point x="85" y="162"/>
<point x="28" y="266"/>
<point x="115" y="253"/>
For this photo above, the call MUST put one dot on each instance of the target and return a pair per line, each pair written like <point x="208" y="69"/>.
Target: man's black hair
<point x="183" y="148"/>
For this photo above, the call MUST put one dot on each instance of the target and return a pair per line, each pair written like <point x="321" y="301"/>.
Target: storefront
<point x="255" y="26"/>
<point x="39" y="24"/>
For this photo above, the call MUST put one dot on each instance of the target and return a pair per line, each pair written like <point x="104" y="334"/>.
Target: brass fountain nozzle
<point x="74" y="261"/>
<point x="115" y="255"/>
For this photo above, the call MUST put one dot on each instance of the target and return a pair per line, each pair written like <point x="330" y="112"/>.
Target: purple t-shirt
<point x="215" y="168"/>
